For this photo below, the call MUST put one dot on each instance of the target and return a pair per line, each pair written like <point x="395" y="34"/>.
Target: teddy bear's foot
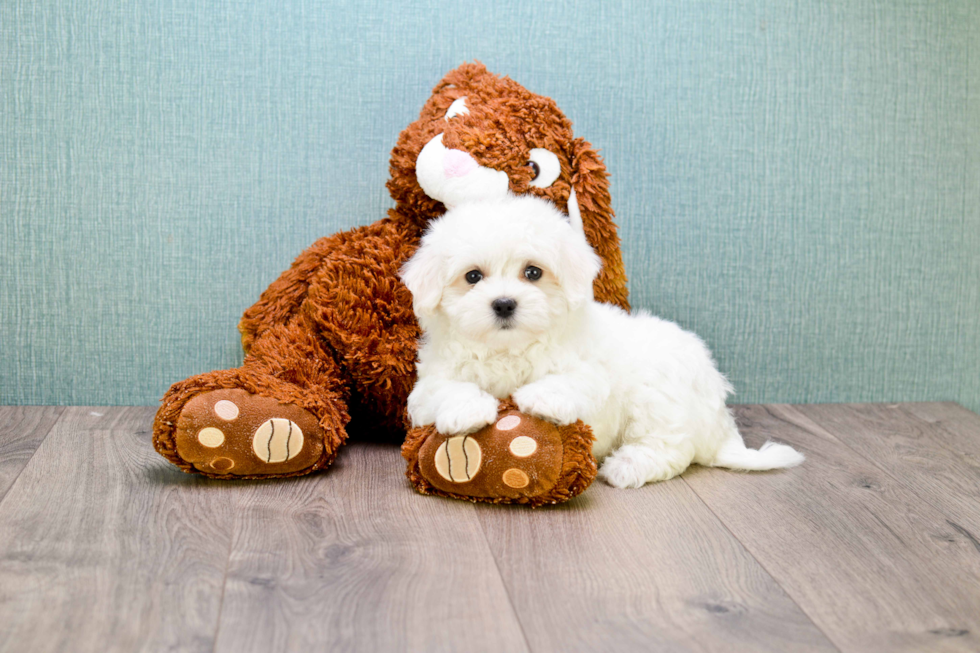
<point x="518" y="459"/>
<point x="232" y="432"/>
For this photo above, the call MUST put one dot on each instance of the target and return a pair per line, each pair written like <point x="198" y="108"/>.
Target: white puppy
<point x="503" y="293"/>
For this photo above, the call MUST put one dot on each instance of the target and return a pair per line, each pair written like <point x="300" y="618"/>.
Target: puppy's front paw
<point x="545" y="403"/>
<point x="467" y="416"/>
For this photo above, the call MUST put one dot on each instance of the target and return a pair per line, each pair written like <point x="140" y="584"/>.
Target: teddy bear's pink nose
<point x="458" y="164"/>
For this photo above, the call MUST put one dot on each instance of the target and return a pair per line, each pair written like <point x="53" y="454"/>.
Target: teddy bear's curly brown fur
<point x="333" y="339"/>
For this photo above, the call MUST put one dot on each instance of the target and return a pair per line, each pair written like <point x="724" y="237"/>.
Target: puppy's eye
<point x="546" y="167"/>
<point x="473" y="276"/>
<point x="532" y="273"/>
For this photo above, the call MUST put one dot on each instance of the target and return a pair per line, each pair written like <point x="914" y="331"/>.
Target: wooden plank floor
<point x="872" y="545"/>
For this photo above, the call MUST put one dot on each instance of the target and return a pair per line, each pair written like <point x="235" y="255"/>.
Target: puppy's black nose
<point x="504" y="306"/>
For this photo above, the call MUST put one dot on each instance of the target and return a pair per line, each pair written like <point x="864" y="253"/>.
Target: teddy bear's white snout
<point x="453" y="176"/>
<point x="456" y="163"/>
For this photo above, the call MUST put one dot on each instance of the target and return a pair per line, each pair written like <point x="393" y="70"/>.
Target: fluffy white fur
<point x="648" y="389"/>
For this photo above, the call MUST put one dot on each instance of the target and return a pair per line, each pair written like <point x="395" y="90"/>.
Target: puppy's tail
<point x="733" y="454"/>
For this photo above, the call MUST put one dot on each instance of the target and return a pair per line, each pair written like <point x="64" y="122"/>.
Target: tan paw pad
<point x="458" y="459"/>
<point x="222" y="464"/>
<point x="277" y="440"/>
<point x="523" y="446"/>
<point x="226" y="410"/>
<point x="211" y="437"/>
<point x="515" y="478"/>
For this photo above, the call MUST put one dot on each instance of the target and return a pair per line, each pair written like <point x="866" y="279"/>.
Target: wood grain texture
<point x="648" y="569"/>
<point x="921" y="455"/>
<point x="22" y="428"/>
<point x="353" y="559"/>
<point x="960" y="428"/>
<point x="869" y="561"/>
<point x="871" y="545"/>
<point x="106" y="547"/>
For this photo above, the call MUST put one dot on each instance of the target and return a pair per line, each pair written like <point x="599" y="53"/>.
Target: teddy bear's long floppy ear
<point x="590" y="185"/>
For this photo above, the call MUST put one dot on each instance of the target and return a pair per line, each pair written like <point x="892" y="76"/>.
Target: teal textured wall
<point x="798" y="182"/>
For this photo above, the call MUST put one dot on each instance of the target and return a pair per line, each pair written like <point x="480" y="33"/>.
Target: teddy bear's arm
<point x="282" y="299"/>
<point x="364" y="313"/>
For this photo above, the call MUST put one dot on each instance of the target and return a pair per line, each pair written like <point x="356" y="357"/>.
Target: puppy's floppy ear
<point x="578" y="267"/>
<point x="422" y="275"/>
<point x="591" y="184"/>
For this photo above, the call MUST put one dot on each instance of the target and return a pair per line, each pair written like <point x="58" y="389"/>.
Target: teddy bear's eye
<point x="546" y="167"/>
<point x="532" y="273"/>
<point x="473" y="276"/>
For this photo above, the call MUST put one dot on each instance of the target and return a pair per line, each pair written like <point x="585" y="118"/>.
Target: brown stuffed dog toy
<point x="333" y="339"/>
